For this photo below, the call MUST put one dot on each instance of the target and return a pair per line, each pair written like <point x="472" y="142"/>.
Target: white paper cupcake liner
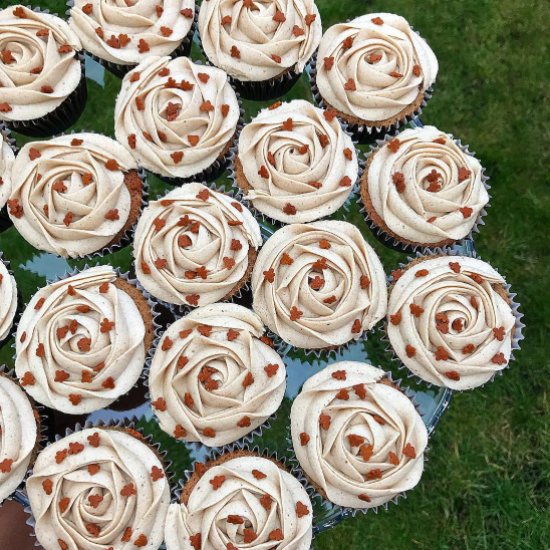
<point x="334" y="513"/>
<point x="363" y="132"/>
<point x="517" y="336"/>
<point x="393" y="241"/>
<point x="157" y="326"/>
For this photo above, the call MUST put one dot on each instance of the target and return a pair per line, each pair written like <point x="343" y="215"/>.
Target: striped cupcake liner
<point x="333" y="513"/>
<point x="517" y="336"/>
<point x="392" y="241"/>
<point x="120" y="70"/>
<point x="157" y="326"/>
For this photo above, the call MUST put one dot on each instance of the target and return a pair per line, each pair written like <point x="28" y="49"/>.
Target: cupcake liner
<point x="363" y="132"/>
<point x="271" y="224"/>
<point x="41" y="433"/>
<point x="517" y="336"/>
<point x="197" y="445"/>
<point x="62" y="117"/>
<point x="334" y="513"/>
<point x="394" y="242"/>
<point x="218" y="167"/>
<point x="157" y="326"/>
<point x="121" y="70"/>
<point x="129" y="425"/>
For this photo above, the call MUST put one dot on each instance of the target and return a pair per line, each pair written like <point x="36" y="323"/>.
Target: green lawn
<point x="487" y="481"/>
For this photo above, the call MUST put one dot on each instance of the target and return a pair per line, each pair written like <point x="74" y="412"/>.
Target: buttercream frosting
<point x="318" y="285"/>
<point x="449" y="321"/>
<point x="297" y="155"/>
<point x="80" y="343"/>
<point x="39" y="68"/>
<point x="245" y="502"/>
<point x="374" y="67"/>
<point x="259" y="40"/>
<point x="69" y="195"/>
<point x="212" y="379"/>
<point x="8" y="301"/>
<point x="7" y="158"/>
<point x="98" y="489"/>
<point x="18" y="436"/>
<point x="192" y="246"/>
<point x="127" y="32"/>
<point x="359" y="440"/>
<point x="176" y="117"/>
<point x="425" y="188"/>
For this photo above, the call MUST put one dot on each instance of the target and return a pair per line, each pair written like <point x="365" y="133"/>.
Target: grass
<point x="487" y="482"/>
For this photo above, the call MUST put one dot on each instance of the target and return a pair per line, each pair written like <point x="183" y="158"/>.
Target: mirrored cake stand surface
<point x="42" y="267"/>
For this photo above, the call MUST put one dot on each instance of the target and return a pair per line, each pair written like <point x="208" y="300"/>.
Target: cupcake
<point x="99" y="488"/>
<point x="8" y="300"/>
<point x="19" y="436"/>
<point x="15" y="531"/>
<point x="264" y="46"/>
<point x="318" y="285"/>
<point x="43" y="89"/>
<point x="7" y="158"/>
<point x="358" y="438"/>
<point x="422" y="189"/>
<point x="451" y="320"/>
<point x="122" y="34"/>
<point x="295" y="163"/>
<point x="240" y="500"/>
<point x="75" y="195"/>
<point x="195" y="246"/>
<point x="179" y="119"/>
<point x="82" y="341"/>
<point x="374" y="71"/>
<point x="212" y="379"/>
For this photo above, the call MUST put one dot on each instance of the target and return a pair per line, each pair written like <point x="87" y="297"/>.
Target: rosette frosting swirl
<point x="127" y="32"/>
<point x="359" y="439"/>
<point x="8" y="300"/>
<point x="81" y="342"/>
<point x="195" y="246"/>
<point x="298" y="162"/>
<point x="424" y="188"/>
<point x="176" y="117"/>
<point x="374" y="67"/>
<point x="260" y="39"/>
<point x="70" y="195"/>
<point x="97" y="489"/>
<point x="212" y="379"/>
<point x="39" y="68"/>
<point x="451" y="322"/>
<point x="318" y="285"/>
<point x="18" y="436"/>
<point x="7" y="158"/>
<point x="242" y="502"/>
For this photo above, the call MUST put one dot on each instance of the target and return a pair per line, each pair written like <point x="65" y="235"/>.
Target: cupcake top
<point x="256" y="40"/>
<point x="80" y="342"/>
<point x="212" y="379"/>
<point x="18" y="436"/>
<point x="39" y="68"/>
<point x="99" y="483"/>
<point x="357" y="437"/>
<point x="195" y="246"/>
<point x="127" y="32"/>
<point x="424" y="188"/>
<point x="374" y="67"/>
<point x="242" y="501"/>
<point x="8" y="301"/>
<point x="70" y="195"/>
<point x="450" y="321"/>
<point x="298" y="163"/>
<point x="319" y="285"/>
<point x="176" y="117"/>
<point x="7" y="157"/>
